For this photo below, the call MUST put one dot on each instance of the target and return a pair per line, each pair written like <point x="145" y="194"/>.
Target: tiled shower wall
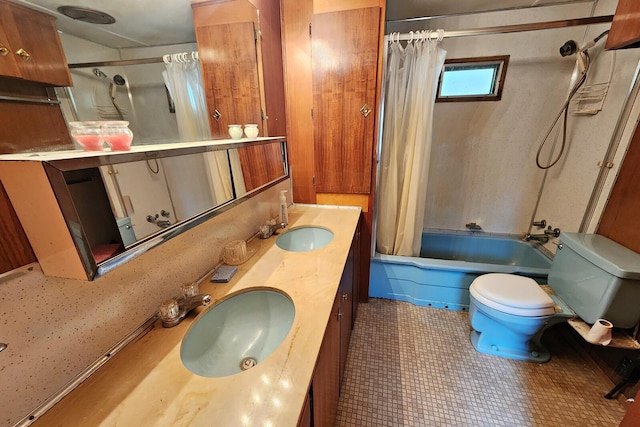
<point x="55" y="328"/>
<point x="483" y="157"/>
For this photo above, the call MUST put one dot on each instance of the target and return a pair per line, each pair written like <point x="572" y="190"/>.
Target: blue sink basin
<point x="237" y="333"/>
<point x="304" y="239"/>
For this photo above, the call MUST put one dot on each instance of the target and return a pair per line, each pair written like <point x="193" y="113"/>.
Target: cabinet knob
<point x="216" y="115"/>
<point x="3" y="51"/>
<point x="345" y="296"/>
<point x="23" y="54"/>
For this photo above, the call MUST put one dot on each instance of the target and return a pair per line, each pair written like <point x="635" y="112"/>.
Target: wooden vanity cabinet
<point x="30" y="47"/>
<point x="625" y="29"/>
<point x="329" y="372"/>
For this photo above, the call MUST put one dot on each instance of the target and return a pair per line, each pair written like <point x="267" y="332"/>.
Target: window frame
<point x="500" y="76"/>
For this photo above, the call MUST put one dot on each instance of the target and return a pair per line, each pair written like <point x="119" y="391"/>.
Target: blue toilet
<point x="591" y="276"/>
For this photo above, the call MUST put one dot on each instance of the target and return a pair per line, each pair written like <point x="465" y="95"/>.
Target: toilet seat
<point x="511" y="294"/>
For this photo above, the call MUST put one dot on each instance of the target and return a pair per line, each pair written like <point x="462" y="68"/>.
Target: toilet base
<point x="535" y="353"/>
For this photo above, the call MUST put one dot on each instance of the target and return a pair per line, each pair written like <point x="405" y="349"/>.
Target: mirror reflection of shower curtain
<point x="184" y="83"/>
<point x="412" y="80"/>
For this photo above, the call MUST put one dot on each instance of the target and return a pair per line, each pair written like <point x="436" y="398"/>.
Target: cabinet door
<point x="230" y="72"/>
<point x="326" y="380"/>
<point x="345" y="293"/>
<point x="344" y="53"/>
<point x="34" y="46"/>
<point x="625" y="29"/>
<point x="8" y="66"/>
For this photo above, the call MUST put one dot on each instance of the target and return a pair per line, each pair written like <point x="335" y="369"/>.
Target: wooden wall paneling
<point x="619" y="221"/>
<point x="296" y="18"/>
<point x="625" y="28"/>
<point x="260" y="164"/>
<point x="324" y="6"/>
<point x="344" y="64"/>
<point x="19" y="134"/>
<point x="15" y="250"/>
<point x="207" y="13"/>
<point x="230" y="74"/>
<point x="272" y="65"/>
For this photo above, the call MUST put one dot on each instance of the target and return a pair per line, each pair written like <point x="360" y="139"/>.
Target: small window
<point x="472" y="79"/>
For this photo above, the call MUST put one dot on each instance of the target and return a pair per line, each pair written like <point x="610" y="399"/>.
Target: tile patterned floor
<point x="415" y="366"/>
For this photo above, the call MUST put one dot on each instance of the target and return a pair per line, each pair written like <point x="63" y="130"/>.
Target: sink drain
<point x="247" y="363"/>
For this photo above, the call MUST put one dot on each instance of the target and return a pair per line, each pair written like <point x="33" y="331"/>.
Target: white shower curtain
<point x="411" y="84"/>
<point x="183" y="78"/>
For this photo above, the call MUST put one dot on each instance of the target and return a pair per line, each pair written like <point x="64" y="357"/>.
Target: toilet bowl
<point x="509" y="314"/>
<point x="592" y="277"/>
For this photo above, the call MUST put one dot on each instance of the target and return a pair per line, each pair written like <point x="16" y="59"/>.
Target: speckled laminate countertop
<point x="147" y="384"/>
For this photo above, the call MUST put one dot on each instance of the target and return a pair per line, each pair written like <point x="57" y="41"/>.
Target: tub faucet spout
<point x="472" y="226"/>
<point x="542" y="238"/>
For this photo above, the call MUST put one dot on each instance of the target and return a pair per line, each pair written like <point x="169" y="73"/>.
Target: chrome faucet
<point x="267" y="230"/>
<point x="472" y="226"/>
<point x="174" y="310"/>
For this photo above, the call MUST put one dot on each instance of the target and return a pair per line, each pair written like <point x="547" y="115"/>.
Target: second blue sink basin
<point x="304" y="239"/>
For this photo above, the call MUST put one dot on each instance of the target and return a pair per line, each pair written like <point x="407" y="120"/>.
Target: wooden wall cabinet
<point x="625" y="29"/>
<point x="344" y="64"/>
<point x="240" y="50"/>
<point x="30" y="47"/>
<point x="619" y="221"/>
<point x="333" y="64"/>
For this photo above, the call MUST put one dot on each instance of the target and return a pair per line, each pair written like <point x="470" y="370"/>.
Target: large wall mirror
<point x="147" y="68"/>
<point x="116" y="206"/>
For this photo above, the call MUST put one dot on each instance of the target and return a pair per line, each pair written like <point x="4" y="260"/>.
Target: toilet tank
<point x="597" y="278"/>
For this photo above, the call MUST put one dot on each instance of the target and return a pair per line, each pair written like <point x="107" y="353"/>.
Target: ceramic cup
<point x="600" y="332"/>
<point x="235" y="131"/>
<point x="251" y="130"/>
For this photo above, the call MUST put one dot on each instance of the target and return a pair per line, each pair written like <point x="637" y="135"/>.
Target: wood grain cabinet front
<point x="30" y="47"/>
<point x="344" y="66"/>
<point x="240" y="51"/>
<point x="625" y="29"/>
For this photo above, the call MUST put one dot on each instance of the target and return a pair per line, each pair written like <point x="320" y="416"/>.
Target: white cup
<point x="235" y="131"/>
<point x="600" y="332"/>
<point x="251" y="130"/>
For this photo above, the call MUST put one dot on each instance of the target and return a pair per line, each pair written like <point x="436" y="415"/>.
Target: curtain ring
<point x="166" y="59"/>
<point x="411" y="34"/>
<point x="440" y="34"/>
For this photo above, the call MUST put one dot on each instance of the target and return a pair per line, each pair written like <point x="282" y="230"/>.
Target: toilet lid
<point x="511" y="294"/>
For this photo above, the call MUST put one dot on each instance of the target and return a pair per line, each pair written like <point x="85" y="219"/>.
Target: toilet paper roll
<point x="600" y="332"/>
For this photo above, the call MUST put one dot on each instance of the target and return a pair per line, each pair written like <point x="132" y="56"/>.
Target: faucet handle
<point x="169" y="311"/>
<point x="540" y="224"/>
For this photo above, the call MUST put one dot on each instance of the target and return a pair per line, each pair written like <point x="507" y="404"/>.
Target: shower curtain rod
<point x="517" y="28"/>
<point x="117" y="62"/>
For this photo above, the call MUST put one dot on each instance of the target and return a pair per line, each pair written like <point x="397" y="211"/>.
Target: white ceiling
<point x="163" y="22"/>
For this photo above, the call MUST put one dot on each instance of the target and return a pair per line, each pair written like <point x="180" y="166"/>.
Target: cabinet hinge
<point x="312" y="113"/>
<point x="262" y="114"/>
<point x="313" y="180"/>
<point x="309" y="30"/>
<point x="255" y="35"/>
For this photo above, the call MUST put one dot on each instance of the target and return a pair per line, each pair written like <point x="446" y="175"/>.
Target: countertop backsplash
<point x="55" y="328"/>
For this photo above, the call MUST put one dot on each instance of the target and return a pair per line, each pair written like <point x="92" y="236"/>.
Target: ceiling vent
<point x="84" y="14"/>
